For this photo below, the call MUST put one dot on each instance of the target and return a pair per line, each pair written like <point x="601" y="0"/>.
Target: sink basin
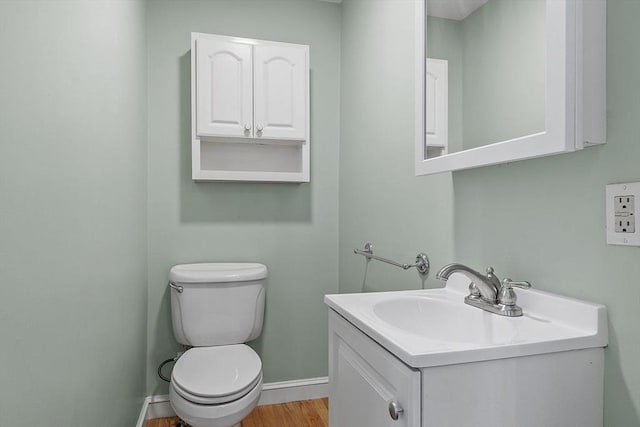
<point x="422" y="315"/>
<point x="434" y="327"/>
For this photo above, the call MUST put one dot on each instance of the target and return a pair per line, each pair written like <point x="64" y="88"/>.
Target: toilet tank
<point x="217" y="303"/>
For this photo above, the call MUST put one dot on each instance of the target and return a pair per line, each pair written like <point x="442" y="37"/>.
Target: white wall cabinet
<point x="250" y="110"/>
<point x="364" y="379"/>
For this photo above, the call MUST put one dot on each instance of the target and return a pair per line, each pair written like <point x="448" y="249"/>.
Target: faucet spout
<point x="488" y="285"/>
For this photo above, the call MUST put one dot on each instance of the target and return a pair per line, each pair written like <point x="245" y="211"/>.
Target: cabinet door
<point x="437" y="96"/>
<point x="364" y="379"/>
<point x="280" y="86"/>
<point x="224" y="88"/>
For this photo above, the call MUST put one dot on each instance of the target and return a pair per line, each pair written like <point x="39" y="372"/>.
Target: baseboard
<point x="272" y="393"/>
<point x="142" y="418"/>
<point x="155" y="407"/>
<point x="294" y="390"/>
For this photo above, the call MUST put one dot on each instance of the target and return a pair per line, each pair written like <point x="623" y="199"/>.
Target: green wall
<point x="543" y="220"/>
<point x="93" y="92"/>
<point x="73" y="169"/>
<point x="503" y="83"/>
<point x="540" y="220"/>
<point x="292" y="228"/>
<point x="381" y="200"/>
<point x="496" y="59"/>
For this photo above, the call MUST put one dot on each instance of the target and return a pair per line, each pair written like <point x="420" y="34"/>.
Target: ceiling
<point x="449" y="9"/>
<point x="453" y="9"/>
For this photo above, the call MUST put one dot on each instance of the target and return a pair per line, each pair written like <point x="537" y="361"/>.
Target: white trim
<point x="294" y="390"/>
<point x="142" y="418"/>
<point x="419" y="85"/>
<point x="158" y="406"/>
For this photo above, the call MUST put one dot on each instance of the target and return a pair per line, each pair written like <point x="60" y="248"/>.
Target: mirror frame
<point x="574" y="118"/>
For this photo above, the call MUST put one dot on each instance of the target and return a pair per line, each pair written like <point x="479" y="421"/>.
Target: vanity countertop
<point x="434" y="327"/>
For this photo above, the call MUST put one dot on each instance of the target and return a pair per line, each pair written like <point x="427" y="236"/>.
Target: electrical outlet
<point x="625" y="224"/>
<point x="623" y="204"/>
<point x="622" y="211"/>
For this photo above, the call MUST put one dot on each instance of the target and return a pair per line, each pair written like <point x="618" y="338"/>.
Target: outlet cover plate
<point x="622" y="212"/>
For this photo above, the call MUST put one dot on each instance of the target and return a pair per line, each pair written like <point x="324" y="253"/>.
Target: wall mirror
<point x="502" y="80"/>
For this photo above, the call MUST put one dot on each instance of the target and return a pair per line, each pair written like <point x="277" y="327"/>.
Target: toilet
<point x="215" y="309"/>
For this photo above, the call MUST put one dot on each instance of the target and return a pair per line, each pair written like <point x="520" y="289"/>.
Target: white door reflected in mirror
<point x="437" y="107"/>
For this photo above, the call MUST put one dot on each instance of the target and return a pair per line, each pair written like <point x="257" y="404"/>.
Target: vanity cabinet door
<point x="364" y="379"/>
<point x="225" y="88"/>
<point x="280" y="85"/>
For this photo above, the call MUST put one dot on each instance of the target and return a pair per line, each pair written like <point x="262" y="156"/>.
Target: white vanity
<point x="424" y="358"/>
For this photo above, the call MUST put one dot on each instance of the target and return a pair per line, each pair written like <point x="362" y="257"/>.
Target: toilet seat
<point x="215" y="400"/>
<point x="216" y="375"/>
<point x="222" y="415"/>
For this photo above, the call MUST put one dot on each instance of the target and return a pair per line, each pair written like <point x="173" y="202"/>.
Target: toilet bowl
<point x="216" y="386"/>
<point x="216" y="308"/>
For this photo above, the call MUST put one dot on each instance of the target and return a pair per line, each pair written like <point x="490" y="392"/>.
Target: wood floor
<point x="306" y="413"/>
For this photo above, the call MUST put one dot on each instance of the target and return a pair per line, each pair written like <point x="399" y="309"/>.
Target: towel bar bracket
<point x="421" y="264"/>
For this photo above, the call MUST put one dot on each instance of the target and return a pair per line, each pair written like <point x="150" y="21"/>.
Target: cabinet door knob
<point x="395" y="410"/>
<point x="259" y="128"/>
<point x="247" y="127"/>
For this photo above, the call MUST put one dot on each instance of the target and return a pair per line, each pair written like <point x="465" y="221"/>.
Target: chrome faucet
<point x="486" y="291"/>
<point x="486" y="287"/>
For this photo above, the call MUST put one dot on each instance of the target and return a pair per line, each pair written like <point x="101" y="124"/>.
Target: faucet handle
<point x="507" y="296"/>
<point x="508" y="283"/>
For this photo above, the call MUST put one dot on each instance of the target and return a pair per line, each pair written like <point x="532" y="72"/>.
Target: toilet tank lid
<point x="216" y="272"/>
